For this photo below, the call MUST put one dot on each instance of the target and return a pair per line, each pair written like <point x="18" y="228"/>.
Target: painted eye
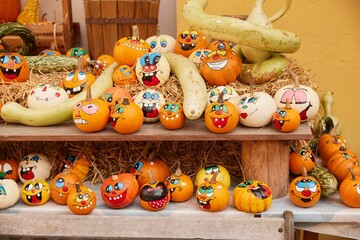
<point x="313" y="189"/>
<point x="163" y="43"/>
<point x="38" y="186"/>
<point x="28" y="187"/>
<point x="81" y="75"/>
<point x="358" y="189"/>
<point x="78" y="105"/>
<point x="299" y="189"/>
<point x="70" y="76"/>
<point x="119" y="186"/>
<point x="109" y="188"/>
<point x="302" y="152"/>
<point x="175" y="181"/>
<point x="120" y="110"/>
<point x="60" y="182"/>
<point x="224" y="108"/>
<point x="4" y="59"/>
<point x="243" y="100"/>
<point x="90" y="108"/>
<point x="209" y="192"/>
<point x="167" y="106"/>
<point x="7" y="168"/>
<point x="79" y="198"/>
<point x="198" y="53"/>
<point x="216" y="107"/>
<point x="127" y="74"/>
<point x="86" y="197"/>
<point x="252" y="100"/>
<point x="175" y="108"/>
<point x="138" y="165"/>
<point x="155" y="96"/>
<point x="146" y="95"/>
<point x="16" y="59"/>
<point x="153" y="44"/>
<point x="35" y="158"/>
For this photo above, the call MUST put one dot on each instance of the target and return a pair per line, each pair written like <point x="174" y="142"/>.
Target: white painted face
<point x="150" y="102"/>
<point x="46" y="96"/>
<point x="34" y="166"/>
<point x="9" y="193"/>
<point x="161" y="43"/>
<point x="198" y="55"/>
<point x="229" y="93"/>
<point x="255" y="110"/>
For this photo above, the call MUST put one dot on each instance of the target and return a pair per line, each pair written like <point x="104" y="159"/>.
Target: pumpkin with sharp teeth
<point x="172" y="115"/>
<point x="34" y="166"/>
<point x="150" y="102"/>
<point x="188" y="41"/>
<point x="35" y="192"/>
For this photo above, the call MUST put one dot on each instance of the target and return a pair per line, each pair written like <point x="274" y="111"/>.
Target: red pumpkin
<point x="10" y="10"/>
<point x="188" y="41"/>
<point x="9" y="169"/>
<point x="119" y="191"/>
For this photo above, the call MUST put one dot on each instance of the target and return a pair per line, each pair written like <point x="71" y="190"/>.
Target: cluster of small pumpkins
<point x="149" y="180"/>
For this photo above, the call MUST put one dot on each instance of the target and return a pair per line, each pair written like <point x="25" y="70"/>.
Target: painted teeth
<point x="84" y="207"/>
<point x="217" y="65"/>
<point x="171" y="118"/>
<point x="116" y="197"/>
<point x="152" y="105"/>
<point x="135" y="47"/>
<point x="149" y="74"/>
<point x="80" y="121"/>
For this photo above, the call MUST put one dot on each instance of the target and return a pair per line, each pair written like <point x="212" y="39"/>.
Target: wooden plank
<point x="142" y="12"/>
<point x="97" y="29"/>
<point x="126" y="10"/>
<point x="89" y="28"/>
<point x="153" y="15"/>
<point x="110" y="31"/>
<point x="68" y="24"/>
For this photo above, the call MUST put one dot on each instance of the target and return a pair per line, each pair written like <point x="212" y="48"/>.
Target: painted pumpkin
<point x="229" y="93"/>
<point x="212" y="196"/>
<point x="349" y="190"/>
<point x="9" y="193"/>
<point x="50" y="51"/>
<point x="124" y="75"/>
<point x="220" y="45"/>
<point x="91" y="115"/>
<point x="286" y="119"/>
<point x="252" y="196"/>
<point x="199" y="55"/>
<point x="13" y="66"/>
<point x="119" y="191"/>
<point x="116" y="94"/>
<point x="172" y="115"/>
<point x="188" y="41"/>
<point x="221" y="116"/>
<point x="79" y="52"/>
<point x="302" y="98"/>
<point x="61" y="186"/>
<point x="152" y="69"/>
<point x="101" y="63"/>
<point x="180" y="185"/>
<point x="304" y="191"/>
<point x="221" y="67"/>
<point x="150" y="102"/>
<point x="340" y="161"/>
<point x="9" y="169"/>
<point x="301" y="156"/>
<point x="222" y="175"/>
<point x="35" y="192"/>
<point x="77" y="163"/>
<point x="34" y="166"/>
<point x="161" y="42"/>
<point x="159" y="170"/>
<point x="126" y="117"/>
<point x="154" y="195"/>
<point x="46" y="96"/>
<point x="76" y="81"/>
<point x="81" y="200"/>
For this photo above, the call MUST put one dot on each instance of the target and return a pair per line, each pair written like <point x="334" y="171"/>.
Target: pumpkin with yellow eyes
<point x="91" y="115"/>
<point x="81" y="200"/>
<point x="35" y="192"/>
<point x="13" y="66"/>
<point x="101" y="63"/>
<point x="286" y="119"/>
<point x="188" y="41"/>
<point x="180" y="185"/>
<point x="221" y="67"/>
<point x="124" y="75"/>
<point x="61" y="186"/>
<point x="76" y="81"/>
<point x="172" y="115"/>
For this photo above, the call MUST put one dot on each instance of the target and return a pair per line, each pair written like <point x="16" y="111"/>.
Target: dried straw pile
<point x="114" y="157"/>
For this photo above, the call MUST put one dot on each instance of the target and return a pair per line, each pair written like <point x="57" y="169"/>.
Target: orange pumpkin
<point x="10" y="10"/>
<point x="188" y="41"/>
<point x="349" y="190"/>
<point x="81" y="200"/>
<point x="340" y="161"/>
<point x="116" y="94"/>
<point x="79" y="52"/>
<point x="180" y="185"/>
<point x="304" y="191"/>
<point x="172" y="115"/>
<point x="221" y="116"/>
<point x="221" y="67"/>
<point x="286" y="119"/>
<point x="158" y="168"/>
<point x="61" y="186"/>
<point x="328" y="144"/>
<point x="13" y="66"/>
<point x="126" y="117"/>
<point x="91" y="115"/>
<point x="119" y="191"/>
<point x="50" y="51"/>
<point x="212" y="196"/>
<point x="124" y="75"/>
<point x="301" y="156"/>
<point x="9" y="169"/>
<point x="101" y="63"/>
<point x="77" y="163"/>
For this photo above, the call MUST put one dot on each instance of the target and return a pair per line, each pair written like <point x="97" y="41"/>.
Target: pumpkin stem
<point x="80" y="66"/>
<point x="294" y="77"/>
<point x="125" y="101"/>
<point x="221" y="97"/>
<point x="88" y="94"/>
<point x="333" y="131"/>
<point x="288" y="105"/>
<point x="303" y="144"/>
<point x="158" y="30"/>
<point x="178" y="172"/>
<point x="304" y="172"/>
<point x="353" y="177"/>
<point x="135" y="31"/>
<point x="78" y="189"/>
<point x="153" y="155"/>
<point x="213" y="178"/>
<point x="252" y="83"/>
<point x="114" y="177"/>
<point x="152" y="178"/>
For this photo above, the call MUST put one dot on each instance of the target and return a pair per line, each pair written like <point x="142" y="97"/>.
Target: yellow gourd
<point x="30" y="13"/>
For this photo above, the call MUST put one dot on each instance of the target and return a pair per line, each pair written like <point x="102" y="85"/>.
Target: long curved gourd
<point x="13" y="112"/>
<point x="237" y="30"/>
<point x="192" y="84"/>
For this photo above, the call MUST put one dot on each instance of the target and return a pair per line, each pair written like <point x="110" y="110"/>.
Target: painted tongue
<point x="152" y="81"/>
<point x="35" y="199"/>
<point x="27" y="175"/>
<point x="154" y="113"/>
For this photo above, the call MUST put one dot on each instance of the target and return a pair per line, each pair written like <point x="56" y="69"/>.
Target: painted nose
<point x="306" y="193"/>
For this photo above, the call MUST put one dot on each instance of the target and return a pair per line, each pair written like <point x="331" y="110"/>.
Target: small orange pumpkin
<point x="349" y="190"/>
<point x="9" y="169"/>
<point x="172" y="115"/>
<point x="301" y="156"/>
<point x="340" y="161"/>
<point x="116" y="94"/>
<point x="328" y="144"/>
<point x="180" y="185"/>
<point x="222" y="174"/>
<point x="81" y="200"/>
<point x="61" y="186"/>
<point x="52" y="51"/>
<point x="77" y="163"/>
<point x="101" y="63"/>
<point x="124" y="75"/>
<point x="188" y="41"/>
<point x="79" y="52"/>
<point x="286" y="119"/>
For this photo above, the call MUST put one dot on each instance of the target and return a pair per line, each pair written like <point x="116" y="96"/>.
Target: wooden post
<point x="142" y="9"/>
<point x="153" y="16"/>
<point x="110" y="31"/>
<point x="88" y="27"/>
<point x="68" y="24"/>
<point x="96" y="28"/>
<point x="126" y="10"/>
<point x="267" y="161"/>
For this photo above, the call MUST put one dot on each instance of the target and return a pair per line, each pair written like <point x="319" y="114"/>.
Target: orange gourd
<point x="328" y="144"/>
<point x="349" y="190"/>
<point x="180" y="185"/>
<point x="81" y="200"/>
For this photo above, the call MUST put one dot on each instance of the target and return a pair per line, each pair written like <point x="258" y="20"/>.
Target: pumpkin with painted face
<point x="81" y="200"/>
<point x="35" y="192"/>
<point x="152" y="69"/>
<point x="172" y="115"/>
<point x="13" y="66"/>
<point x="301" y="156"/>
<point x="9" y="193"/>
<point x="216" y="44"/>
<point x="221" y="67"/>
<point x="46" y="96"/>
<point x="76" y="81"/>
<point x="252" y="196"/>
<point x="124" y="75"/>
<point x="199" y="55"/>
<point x="180" y="185"/>
<point x="349" y="190"/>
<point x="91" y="115"/>
<point x="9" y="169"/>
<point x="222" y="175"/>
<point x="34" y="166"/>
<point x="150" y="102"/>
<point x="286" y="119"/>
<point x="77" y="163"/>
<point x="50" y="51"/>
<point x="61" y="186"/>
<point x="115" y="95"/>
<point x="304" y="191"/>
<point x="221" y="116"/>
<point x="79" y="52"/>
<point x="229" y="93"/>
<point x="101" y="63"/>
<point x="119" y="191"/>
<point x="161" y="43"/>
<point x="188" y="41"/>
<point x="212" y="196"/>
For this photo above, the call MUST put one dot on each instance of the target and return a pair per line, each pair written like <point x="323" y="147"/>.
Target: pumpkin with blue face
<point x="35" y="192"/>
<point x="61" y="186"/>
